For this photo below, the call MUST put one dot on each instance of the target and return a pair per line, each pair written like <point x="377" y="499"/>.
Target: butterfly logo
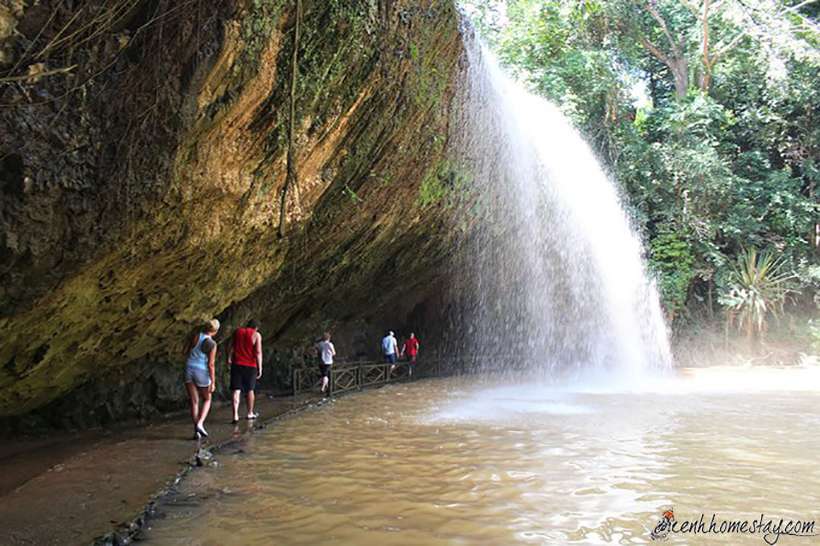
<point x="664" y="525"/>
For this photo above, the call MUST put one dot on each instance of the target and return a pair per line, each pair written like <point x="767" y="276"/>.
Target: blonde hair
<point x="212" y="326"/>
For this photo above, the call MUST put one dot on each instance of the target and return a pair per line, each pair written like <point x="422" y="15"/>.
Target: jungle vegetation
<point x="706" y="112"/>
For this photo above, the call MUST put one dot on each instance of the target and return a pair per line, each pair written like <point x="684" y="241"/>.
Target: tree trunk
<point x="814" y="234"/>
<point x="676" y="63"/>
<point x="676" y="58"/>
<point x="706" y="78"/>
<point x="710" y="301"/>
<point x="680" y="71"/>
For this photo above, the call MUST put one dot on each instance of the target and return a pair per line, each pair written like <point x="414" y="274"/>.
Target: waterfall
<point x="553" y="272"/>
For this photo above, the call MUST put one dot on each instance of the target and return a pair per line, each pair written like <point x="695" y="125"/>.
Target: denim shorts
<point x="200" y="377"/>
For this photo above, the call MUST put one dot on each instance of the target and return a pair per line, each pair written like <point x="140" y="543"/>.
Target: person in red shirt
<point x="411" y="349"/>
<point x="246" y="366"/>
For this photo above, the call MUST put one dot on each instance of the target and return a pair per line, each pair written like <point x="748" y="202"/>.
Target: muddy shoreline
<point x="100" y="487"/>
<point x="130" y="531"/>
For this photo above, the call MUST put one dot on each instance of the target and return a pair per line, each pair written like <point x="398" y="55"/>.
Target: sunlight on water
<point x="456" y="461"/>
<point x="500" y="402"/>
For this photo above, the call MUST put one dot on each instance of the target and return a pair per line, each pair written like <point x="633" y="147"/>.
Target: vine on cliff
<point x="291" y="178"/>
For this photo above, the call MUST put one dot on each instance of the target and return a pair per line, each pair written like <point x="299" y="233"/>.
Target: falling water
<point x="554" y="275"/>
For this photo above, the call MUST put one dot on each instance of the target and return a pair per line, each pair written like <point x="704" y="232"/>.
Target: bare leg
<point x="324" y="383"/>
<point x="235" y="402"/>
<point x="250" y="399"/>
<point x="205" y="394"/>
<point x="193" y="398"/>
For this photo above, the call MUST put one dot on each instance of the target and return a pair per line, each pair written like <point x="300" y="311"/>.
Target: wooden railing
<point x="348" y="376"/>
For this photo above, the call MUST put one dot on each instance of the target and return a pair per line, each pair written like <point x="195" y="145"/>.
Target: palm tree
<point x="757" y="289"/>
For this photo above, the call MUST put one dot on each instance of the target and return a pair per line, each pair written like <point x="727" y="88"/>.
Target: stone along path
<point x="74" y="488"/>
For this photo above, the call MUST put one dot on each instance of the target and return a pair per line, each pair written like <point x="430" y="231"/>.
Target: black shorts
<point x="324" y="370"/>
<point x="243" y="378"/>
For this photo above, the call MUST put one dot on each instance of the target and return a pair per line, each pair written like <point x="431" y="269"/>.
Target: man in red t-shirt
<point x="411" y="348"/>
<point x="246" y="366"/>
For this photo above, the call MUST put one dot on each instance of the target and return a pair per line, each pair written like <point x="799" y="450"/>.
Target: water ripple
<point x="441" y="462"/>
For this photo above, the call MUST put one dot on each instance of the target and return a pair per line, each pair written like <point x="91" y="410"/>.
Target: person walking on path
<point x="411" y="349"/>
<point x="245" y="360"/>
<point x="326" y="353"/>
<point x="390" y="349"/>
<point x="200" y="374"/>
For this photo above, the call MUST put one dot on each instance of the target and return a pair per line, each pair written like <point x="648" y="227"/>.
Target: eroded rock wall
<point x="140" y="190"/>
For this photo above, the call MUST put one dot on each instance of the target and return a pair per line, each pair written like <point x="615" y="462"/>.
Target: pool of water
<point x="465" y="461"/>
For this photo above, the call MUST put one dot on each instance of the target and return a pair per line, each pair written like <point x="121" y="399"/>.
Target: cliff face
<point x="140" y="189"/>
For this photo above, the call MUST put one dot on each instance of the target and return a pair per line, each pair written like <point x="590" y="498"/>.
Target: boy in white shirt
<point x="326" y="352"/>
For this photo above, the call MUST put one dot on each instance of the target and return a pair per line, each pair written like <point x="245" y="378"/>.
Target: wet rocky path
<point x="72" y="488"/>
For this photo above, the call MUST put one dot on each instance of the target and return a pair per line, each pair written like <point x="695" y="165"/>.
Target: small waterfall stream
<point x="555" y="274"/>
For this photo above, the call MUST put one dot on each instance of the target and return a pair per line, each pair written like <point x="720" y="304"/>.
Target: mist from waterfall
<point x="553" y="273"/>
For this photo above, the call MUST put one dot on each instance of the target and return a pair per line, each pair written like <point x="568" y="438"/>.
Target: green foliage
<point x="257" y="26"/>
<point x="327" y="65"/>
<point x="671" y="257"/>
<point x="352" y="195"/>
<point x="809" y="277"/>
<point x="728" y="164"/>
<point x="431" y="191"/>
<point x="444" y="180"/>
<point x="756" y="289"/>
<point x="426" y="80"/>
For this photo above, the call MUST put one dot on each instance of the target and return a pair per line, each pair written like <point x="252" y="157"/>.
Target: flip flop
<point x="252" y="416"/>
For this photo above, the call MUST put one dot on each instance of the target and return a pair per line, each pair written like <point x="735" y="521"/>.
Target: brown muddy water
<point x="462" y="461"/>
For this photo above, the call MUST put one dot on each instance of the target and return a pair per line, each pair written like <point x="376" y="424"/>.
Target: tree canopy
<point x="706" y="112"/>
